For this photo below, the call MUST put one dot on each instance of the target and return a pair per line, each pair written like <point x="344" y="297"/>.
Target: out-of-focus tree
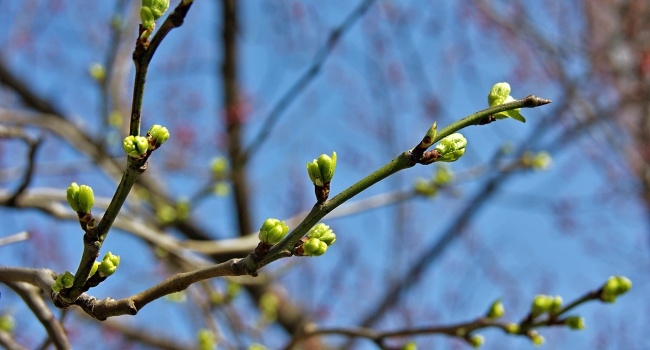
<point x="249" y="93"/>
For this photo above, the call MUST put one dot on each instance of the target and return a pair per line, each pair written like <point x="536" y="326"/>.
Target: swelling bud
<point x="272" y="231"/>
<point x="451" y="148"/>
<point x="109" y="264"/>
<point x="158" y="134"/>
<point x="135" y="146"/>
<point x="314" y="247"/>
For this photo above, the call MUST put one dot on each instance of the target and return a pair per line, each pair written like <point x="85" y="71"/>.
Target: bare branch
<point x="32" y="297"/>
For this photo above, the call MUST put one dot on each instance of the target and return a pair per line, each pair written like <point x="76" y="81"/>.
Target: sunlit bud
<point x="269" y="304"/>
<point x="109" y="264"/>
<point x="64" y="280"/>
<point x="430" y="136"/>
<point x="323" y="233"/>
<point x="177" y="297"/>
<point x="166" y="213"/>
<point x="476" y="341"/>
<point x="314" y="247"/>
<point x="541" y="161"/>
<point x="556" y="304"/>
<point x="232" y="290"/>
<point x="219" y="167"/>
<point x="272" y="231"/>
<point x="152" y="10"/>
<point x="443" y="175"/>
<point x="512" y="328"/>
<point x="615" y="286"/>
<point x="72" y="195"/>
<point x="115" y="119"/>
<point x="541" y="304"/>
<point x="575" y="322"/>
<point x="425" y="187"/>
<point x="206" y="339"/>
<point x="500" y="94"/>
<point x="135" y="146"/>
<point x="221" y="189"/>
<point x="97" y="72"/>
<point x="410" y="346"/>
<point x="94" y="268"/>
<point x="314" y="174"/>
<point x="7" y="323"/>
<point x="321" y="170"/>
<point x="86" y="199"/>
<point x="451" y="148"/>
<point x="536" y="338"/>
<point x="256" y="346"/>
<point x="159" y="134"/>
<point x="496" y="310"/>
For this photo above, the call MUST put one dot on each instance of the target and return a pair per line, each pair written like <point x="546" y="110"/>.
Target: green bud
<point x="541" y="304"/>
<point x="7" y="323"/>
<point x="256" y="346"/>
<point x="272" y="231"/>
<point x="410" y="346"/>
<point x="556" y="304"/>
<point x="575" y="322"/>
<point x="476" y="341"/>
<point x="615" y="286"/>
<point x="512" y="328"/>
<point x="97" y="72"/>
<point x="431" y="135"/>
<point x="166" y="213"/>
<point x="500" y="94"/>
<point x="323" y="233"/>
<point x="86" y="199"/>
<point x="135" y="146"/>
<point x="72" y="195"/>
<point x="146" y="17"/>
<point x="536" y="338"/>
<point x="94" y="268"/>
<point x="321" y="170"/>
<point x="159" y="134"/>
<point x="219" y="167"/>
<point x="232" y="290"/>
<point x="115" y="119"/>
<point x="496" y="310"/>
<point x="541" y="161"/>
<point x="63" y="280"/>
<point x="109" y="264"/>
<point x="206" y="339"/>
<point x="425" y="187"/>
<point x="314" y="247"/>
<point x="269" y="304"/>
<point x="221" y="189"/>
<point x="176" y="297"/>
<point x="183" y="209"/>
<point x="152" y="10"/>
<point x="451" y="148"/>
<point x="443" y="175"/>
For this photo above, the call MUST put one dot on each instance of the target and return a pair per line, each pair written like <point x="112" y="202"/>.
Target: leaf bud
<point x="451" y="148"/>
<point x="496" y="310"/>
<point x="109" y="264"/>
<point x="314" y="247"/>
<point x="158" y="134"/>
<point x="272" y="231"/>
<point x="135" y="146"/>
<point x="323" y="233"/>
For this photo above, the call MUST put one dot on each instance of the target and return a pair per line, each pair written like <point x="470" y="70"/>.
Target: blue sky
<point x="562" y="231"/>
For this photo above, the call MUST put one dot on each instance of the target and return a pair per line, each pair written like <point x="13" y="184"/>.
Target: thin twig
<point x="307" y="77"/>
